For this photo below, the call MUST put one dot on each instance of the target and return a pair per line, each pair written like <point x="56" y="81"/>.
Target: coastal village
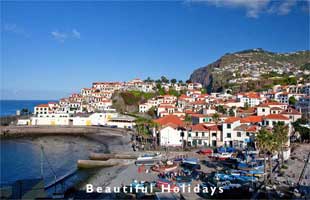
<point x="181" y="135"/>
<point x="215" y="119"/>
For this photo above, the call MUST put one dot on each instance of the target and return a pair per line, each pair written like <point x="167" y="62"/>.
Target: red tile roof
<point x="203" y="127"/>
<point x="231" y="119"/>
<point x="169" y="119"/>
<point x="251" y="129"/>
<point x="276" y="116"/>
<point x="290" y="111"/>
<point x="251" y="119"/>
<point x="42" y="105"/>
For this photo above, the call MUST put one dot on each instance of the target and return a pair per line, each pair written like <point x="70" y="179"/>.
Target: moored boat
<point x="152" y="156"/>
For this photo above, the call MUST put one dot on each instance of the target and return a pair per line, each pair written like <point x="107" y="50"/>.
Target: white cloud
<point x="61" y="37"/>
<point x="13" y="28"/>
<point x="286" y="7"/>
<point x="253" y="8"/>
<point x="76" y="34"/>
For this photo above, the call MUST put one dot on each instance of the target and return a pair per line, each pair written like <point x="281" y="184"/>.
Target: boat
<point x="224" y="156"/>
<point x="149" y="156"/>
<point x="183" y="180"/>
<point x="205" y="151"/>
<point x="193" y="161"/>
<point x="170" y="166"/>
<point x="160" y="183"/>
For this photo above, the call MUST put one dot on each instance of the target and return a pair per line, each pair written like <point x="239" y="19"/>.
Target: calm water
<point x="21" y="158"/>
<point x="9" y="107"/>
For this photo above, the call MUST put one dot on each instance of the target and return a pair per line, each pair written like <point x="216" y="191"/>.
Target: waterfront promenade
<point x="19" y="131"/>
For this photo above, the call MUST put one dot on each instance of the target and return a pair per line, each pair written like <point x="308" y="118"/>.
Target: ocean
<point x="22" y="158"/>
<point x="9" y="107"/>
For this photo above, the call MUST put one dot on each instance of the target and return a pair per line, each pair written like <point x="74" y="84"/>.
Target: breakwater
<point x="18" y="131"/>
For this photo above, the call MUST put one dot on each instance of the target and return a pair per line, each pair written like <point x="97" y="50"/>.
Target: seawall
<point x="20" y="131"/>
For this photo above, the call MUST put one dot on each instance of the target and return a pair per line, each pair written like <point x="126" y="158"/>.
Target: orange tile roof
<point x="271" y="103"/>
<point x="252" y="95"/>
<point x="231" y="119"/>
<point x="251" y="129"/>
<point x="199" y="127"/>
<point x="290" y="111"/>
<point x="42" y="105"/>
<point x="276" y="116"/>
<point x="169" y="119"/>
<point x="251" y="119"/>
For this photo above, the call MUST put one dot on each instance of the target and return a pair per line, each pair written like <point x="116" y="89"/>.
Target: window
<point x="263" y="110"/>
<point x="247" y="134"/>
<point x="228" y="126"/>
<point x="213" y="134"/>
<point x="196" y="134"/>
<point x="274" y="123"/>
<point x="267" y="123"/>
<point x="189" y="134"/>
<point x="238" y="134"/>
<point x="203" y="134"/>
<point x="228" y="135"/>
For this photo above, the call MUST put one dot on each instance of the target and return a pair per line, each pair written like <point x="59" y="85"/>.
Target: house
<point x="143" y="108"/>
<point x="292" y="114"/>
<point x="171" y="131"/>
<point x="251" y="99"/>
<point x="272" y="119"/>
<point x="201" y="118"/>
<point x="165" y="109"/>
<point x="204" y="135"/>
<point x="122" y="121"/>
<point x="41" y="109"/>
<point x="228" y="127"/>
<point x="302" y="106"/>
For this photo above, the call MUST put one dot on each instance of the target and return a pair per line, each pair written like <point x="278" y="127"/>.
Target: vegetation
<point x="281" y="135"/>
<point x="292" y="101"/>
<point x="271" y="142"/>
<point x="135" y="97"/>
<point x="303" y="131"/>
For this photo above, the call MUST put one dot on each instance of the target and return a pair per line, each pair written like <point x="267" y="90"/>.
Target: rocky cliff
<point x="240" y="68"/>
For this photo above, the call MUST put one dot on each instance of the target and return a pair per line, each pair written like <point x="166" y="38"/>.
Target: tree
<point x="148" y="80"/>
<point x="281" y="133"/>
<point x="216" y="118"/>
<point x="221" y="109"/>
<point x="268" y="145"/>
<point x="231" y="112"/>
<point x="246" y="106"/>
<point x="292" y="101"/>
<point x="173" y="80"/>
<point x="164" y="79"/>
<point x="180" y="82"/>
<point x="188" y="81"/>
<point x="203" y="91"/>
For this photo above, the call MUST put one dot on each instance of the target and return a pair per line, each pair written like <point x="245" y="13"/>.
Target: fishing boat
<point x="193" y="161"/>
<point x="205" y="151"/>
<point x="152" y="156"/>
<point x="170" y="166"/>
<point x="183" y="180"/>
<point x="224" y="156"/>
<point x="160" y="183"/>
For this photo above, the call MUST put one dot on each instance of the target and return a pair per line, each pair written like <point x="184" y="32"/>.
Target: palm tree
<point x="281" y="133"/>
<point x="215" y="118"/>
<point x="261" y="143"/>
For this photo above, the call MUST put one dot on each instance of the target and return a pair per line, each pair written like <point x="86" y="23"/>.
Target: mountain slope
<point x="238" y="69"/>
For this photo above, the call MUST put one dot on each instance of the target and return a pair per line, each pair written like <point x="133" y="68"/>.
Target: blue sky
<point x="51" y="49"/>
